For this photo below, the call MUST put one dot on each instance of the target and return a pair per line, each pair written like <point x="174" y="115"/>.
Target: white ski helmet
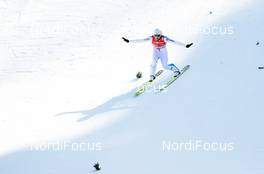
<point x="157" y="32"/>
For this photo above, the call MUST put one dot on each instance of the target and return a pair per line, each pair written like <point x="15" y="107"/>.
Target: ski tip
<point x="186" y="67"/>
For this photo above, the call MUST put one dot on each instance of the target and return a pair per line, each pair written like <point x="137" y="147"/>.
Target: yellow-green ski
<point x="174" y="78"/>
<point x="146" y="85"/>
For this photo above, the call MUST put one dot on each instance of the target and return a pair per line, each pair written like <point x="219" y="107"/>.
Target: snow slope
<point x="67" y="77"/>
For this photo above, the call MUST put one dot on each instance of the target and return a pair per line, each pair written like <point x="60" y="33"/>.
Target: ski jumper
<point x="160" y="52"/>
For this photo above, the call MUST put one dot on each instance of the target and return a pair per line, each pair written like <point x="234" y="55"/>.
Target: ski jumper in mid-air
<point x="159" y="42"/>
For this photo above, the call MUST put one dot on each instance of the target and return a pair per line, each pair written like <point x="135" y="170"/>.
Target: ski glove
<point x="188" y="45"/>
<point x="126" y="40"/>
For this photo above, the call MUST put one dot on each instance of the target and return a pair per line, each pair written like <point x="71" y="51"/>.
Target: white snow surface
<point x="66" y="77"/>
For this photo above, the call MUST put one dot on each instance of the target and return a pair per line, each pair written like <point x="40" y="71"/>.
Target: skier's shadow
<point x="116" y="103"/>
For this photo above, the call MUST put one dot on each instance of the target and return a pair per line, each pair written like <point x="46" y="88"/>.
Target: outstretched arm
<point x="137" y="40"/>
<point x="178" y="42"/>
<point x="174" y="41"/>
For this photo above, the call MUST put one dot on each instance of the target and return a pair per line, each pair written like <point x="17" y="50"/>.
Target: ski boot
<point x="152" y="77"/>
<point x="176" y="73"/>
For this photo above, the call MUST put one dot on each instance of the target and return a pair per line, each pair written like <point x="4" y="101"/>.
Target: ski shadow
<point x="120" y="102"/>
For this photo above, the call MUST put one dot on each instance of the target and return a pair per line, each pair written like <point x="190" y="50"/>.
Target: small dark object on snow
<point x="189" y="45"/>
<point x="97" y="166"/>
<point x="125" y="39"/>
<point x="257" y="43"/>
<point x="261" y="67"/>
<point x="210" y="12"/>
<point x="139" y="75"/>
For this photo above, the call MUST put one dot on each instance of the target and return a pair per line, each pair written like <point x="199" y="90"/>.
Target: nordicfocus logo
<point x="220" y="30"/>
<point x="197" y="146"/>
<point x="67" y="146"/>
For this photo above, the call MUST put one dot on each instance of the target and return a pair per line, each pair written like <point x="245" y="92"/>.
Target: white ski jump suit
<point x="160" y="52"/>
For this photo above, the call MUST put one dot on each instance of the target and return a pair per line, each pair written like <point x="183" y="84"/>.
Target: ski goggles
<point x="157" y="36"/>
